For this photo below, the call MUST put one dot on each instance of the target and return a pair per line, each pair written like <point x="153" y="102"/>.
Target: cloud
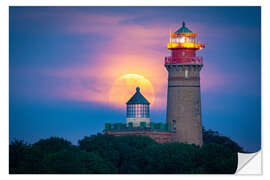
<point x="129" y="48"/>
<point x="122" y="47"/>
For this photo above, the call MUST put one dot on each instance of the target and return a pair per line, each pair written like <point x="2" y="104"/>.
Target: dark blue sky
<point x="63" y="60"/>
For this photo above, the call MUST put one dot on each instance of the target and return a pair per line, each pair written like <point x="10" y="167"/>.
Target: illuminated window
<point x="183" y="53"/>
<point x="138" y="110"/>
<point x="186" y="74"/>
<point x="182" y="39"/>
<point x="174" y="124"/>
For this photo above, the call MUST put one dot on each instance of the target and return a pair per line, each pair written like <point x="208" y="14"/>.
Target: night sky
<point x="64" y="61"/>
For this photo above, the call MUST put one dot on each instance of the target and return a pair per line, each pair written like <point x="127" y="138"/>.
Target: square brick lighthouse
<point x="183" y="122"/>
<point x="184" y="95"/>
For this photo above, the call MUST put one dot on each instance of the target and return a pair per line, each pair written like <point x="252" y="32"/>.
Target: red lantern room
<point x="183" y="45"/>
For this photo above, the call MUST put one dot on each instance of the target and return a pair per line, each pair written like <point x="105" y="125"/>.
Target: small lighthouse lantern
<point x="138" y="112"/>
<point x="184" y="38"/>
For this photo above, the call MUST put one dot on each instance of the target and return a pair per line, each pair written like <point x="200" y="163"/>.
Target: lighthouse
<point x="138" y="110"/>
<point x="138" y="121"/>
<point x="183" y="95"/>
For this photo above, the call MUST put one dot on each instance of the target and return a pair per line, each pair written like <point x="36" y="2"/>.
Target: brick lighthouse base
<point x="158" y="136"/>
<point x="158" y="131"/>
<point x="184" y="103"/>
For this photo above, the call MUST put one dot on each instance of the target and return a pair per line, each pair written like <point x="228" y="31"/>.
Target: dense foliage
<point x="107" y="154"/>
<point x="211" y="136"/>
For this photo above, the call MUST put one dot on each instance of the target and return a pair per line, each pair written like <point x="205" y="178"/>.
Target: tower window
<point x="198" y="107"/>
<point x="186" y="74"/>
<point x="174" y="125"/>
<point x="183" y="53"/>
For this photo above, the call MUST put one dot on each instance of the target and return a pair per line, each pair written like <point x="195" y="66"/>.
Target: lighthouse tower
<point x="183" y="96"/>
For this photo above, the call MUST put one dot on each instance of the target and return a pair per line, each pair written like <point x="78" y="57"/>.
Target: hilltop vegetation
<point x="107" y="154"/>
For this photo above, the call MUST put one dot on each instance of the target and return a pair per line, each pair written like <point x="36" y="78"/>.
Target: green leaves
<point x="77" y="162"/>
<point x="125" y="152"/>
<point x="210" y="136"/>
<point x="128" y="154"/>
<point x="56" y="156"/>
<point x="172" y="158"/>
<point x="217" y="159"/>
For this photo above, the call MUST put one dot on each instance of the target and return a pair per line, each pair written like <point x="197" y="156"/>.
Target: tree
<point x="106" y="146"/>
<point x="17" y="150"/>
<point x="133" y="155"/>
<point x="129" y="154"/>
<point x="74" y="161"/>
<point x="210" y="136"/>
<point x="217" y="159"/>
<point x="52" y="145"/>
<point x="125" y="152"/>
<point x="172" y="158"/>
<point x="39" y="152"/>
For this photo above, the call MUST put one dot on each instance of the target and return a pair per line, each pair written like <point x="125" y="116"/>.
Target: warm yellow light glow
<point x="186" y="45"/>
<point x="125" y="87"/>
<point x="182" y="40"/>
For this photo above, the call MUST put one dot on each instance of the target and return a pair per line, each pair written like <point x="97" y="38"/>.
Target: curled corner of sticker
<point x="249" y="163"/>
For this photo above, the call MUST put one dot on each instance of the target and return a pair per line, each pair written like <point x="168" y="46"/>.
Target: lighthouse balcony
<point x="142" y="126"/>
<point x="184" y="60"/>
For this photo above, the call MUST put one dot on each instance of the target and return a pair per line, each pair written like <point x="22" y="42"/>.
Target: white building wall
<point x="136" y="121"/>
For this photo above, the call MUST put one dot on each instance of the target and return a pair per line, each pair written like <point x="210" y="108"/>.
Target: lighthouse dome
<point x="183" y="29"/>
<point x="138" y="98"/>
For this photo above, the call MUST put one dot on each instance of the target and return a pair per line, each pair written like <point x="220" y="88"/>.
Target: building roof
<point x="138" y="98"/>
<point x="183" y="29"/>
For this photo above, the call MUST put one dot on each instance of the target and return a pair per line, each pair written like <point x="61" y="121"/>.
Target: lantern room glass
<point x="138" y="111"/>
<point x="183" y="40"/>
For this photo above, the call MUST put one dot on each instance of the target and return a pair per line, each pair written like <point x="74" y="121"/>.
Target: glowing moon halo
<point x="125" y="86"/>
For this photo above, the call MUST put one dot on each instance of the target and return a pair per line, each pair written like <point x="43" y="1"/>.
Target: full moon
<point x="125" y="87"/>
